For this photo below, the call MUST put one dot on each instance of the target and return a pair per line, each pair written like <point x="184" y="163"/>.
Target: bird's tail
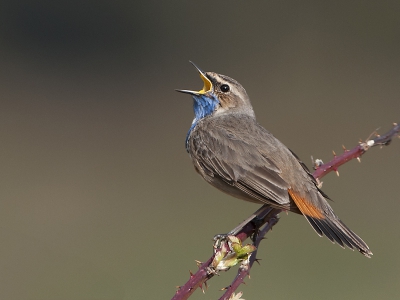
<point x="335" y="230"/>
<point x="325" y="222"/>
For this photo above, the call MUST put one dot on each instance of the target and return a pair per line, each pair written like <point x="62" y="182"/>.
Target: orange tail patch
<point x="305" y="206"/>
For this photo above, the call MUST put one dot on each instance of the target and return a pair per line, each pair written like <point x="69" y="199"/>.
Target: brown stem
<point x="381" y="140"/>
<point x="272" y="218"/>
<point x="196" y="280"/>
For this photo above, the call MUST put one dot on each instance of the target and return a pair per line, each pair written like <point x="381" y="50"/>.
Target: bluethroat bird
<point x="238" y="156"/>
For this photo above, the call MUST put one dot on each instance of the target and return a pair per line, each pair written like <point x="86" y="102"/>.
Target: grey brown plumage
<point x="235" y="154"/>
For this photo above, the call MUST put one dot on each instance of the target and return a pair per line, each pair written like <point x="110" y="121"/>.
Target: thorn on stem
<point x="359" y="159"/>
<point x="198" y="263"/>
<point x="334" y="153"/>
<point x="337" y="173"/>
<point x="344" y="148"/>
<point x="202" y="285"/>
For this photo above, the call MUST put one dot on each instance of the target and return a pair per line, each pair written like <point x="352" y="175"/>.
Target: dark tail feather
<point x="338" y="232"/>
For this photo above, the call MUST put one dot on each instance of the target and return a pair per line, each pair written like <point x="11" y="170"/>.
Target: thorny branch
<point x="380" y="140"/>
<point x="267" y="217"/>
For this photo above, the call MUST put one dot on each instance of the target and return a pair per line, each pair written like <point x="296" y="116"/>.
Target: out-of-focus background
<point x="98" y="198"/>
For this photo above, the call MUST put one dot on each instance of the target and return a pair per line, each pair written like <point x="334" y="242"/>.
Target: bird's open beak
<point x="207" y="84"/>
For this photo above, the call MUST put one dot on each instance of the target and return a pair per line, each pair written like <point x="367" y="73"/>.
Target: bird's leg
<point x="255" y="217"/>
<point x="258" y="222"/>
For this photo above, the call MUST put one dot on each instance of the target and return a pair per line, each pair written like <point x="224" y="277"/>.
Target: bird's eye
<point x="224" y="88"/>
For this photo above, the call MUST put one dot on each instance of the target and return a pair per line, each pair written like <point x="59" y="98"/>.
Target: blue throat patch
<point x="202" y="106"/>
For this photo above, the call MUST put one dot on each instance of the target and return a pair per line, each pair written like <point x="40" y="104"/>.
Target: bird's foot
<point x="257" y="222"/>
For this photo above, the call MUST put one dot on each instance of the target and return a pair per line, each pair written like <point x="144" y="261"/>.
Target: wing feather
<point x="237" y="161"/>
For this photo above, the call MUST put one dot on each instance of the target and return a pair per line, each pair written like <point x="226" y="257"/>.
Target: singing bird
<point x="235" y="154"/>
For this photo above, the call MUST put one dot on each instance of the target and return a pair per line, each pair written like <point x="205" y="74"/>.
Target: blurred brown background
<point x="98" y="198"/>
